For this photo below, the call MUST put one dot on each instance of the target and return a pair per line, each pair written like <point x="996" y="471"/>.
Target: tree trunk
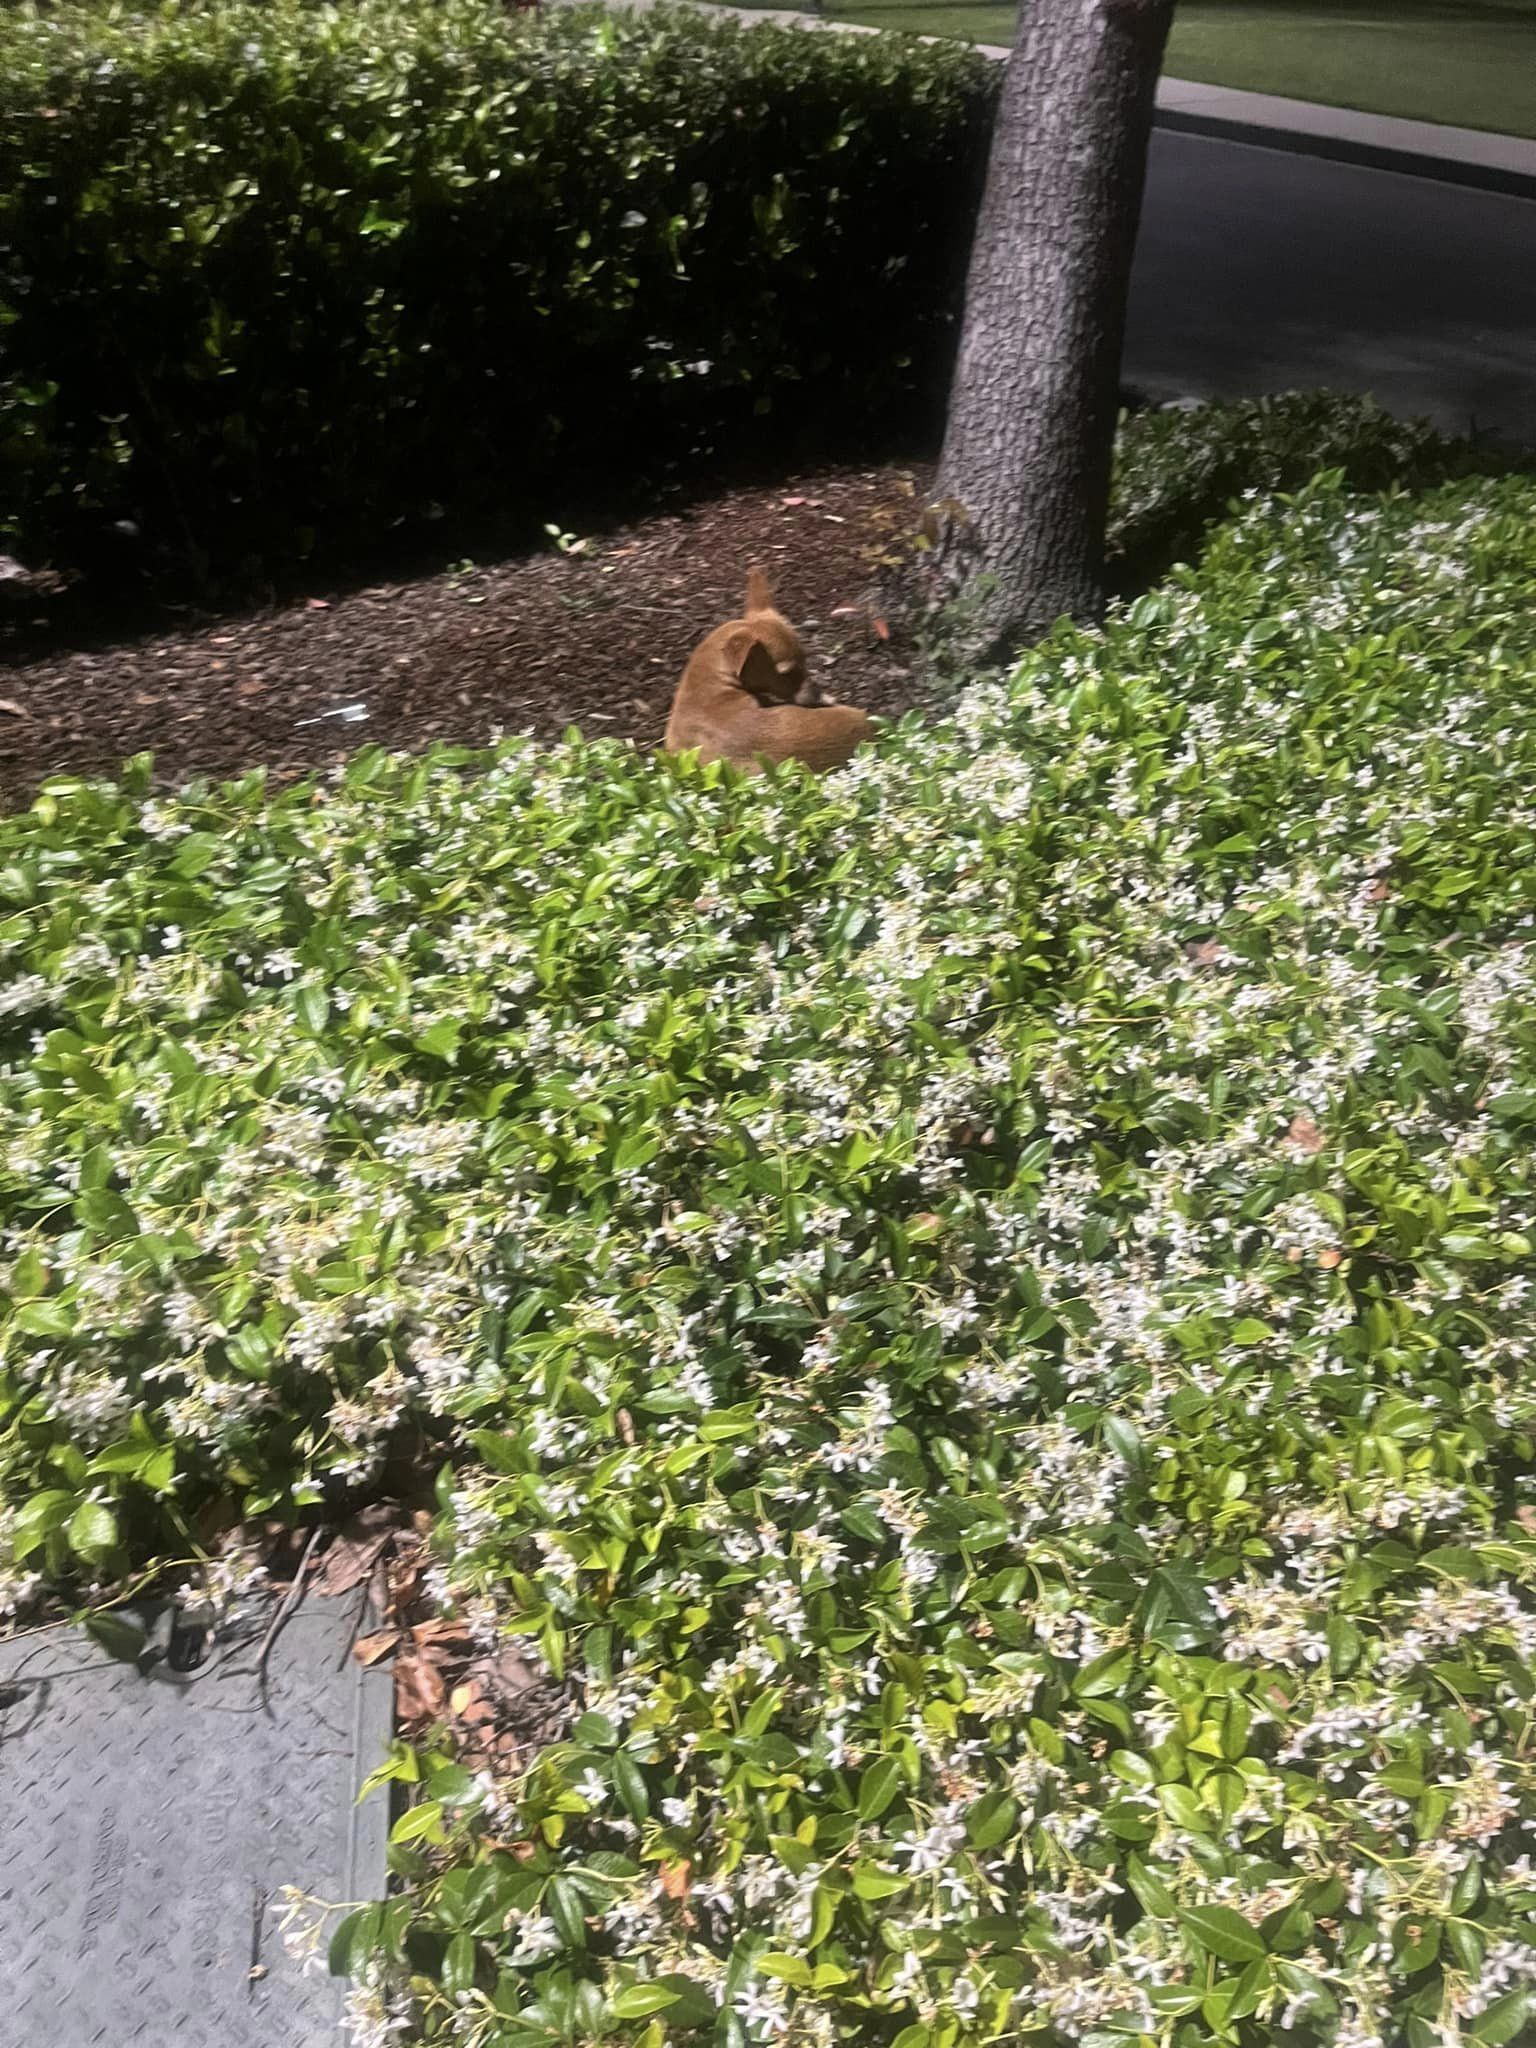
<point x="1024" y="477"/>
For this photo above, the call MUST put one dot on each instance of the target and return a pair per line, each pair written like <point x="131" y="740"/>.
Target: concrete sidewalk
<point x="1458" y="156"/>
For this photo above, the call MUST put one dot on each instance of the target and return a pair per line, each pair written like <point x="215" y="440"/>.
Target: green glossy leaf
<point x="639" y="2001"/>
<point x="1221" y="1931"/>
<point x="93" y="1532"/>
<point x="878" y="1787"/>
<point x="991" y="1820"/>
<point x="356" y="1940"/>
<point x="629" y="1780"/>
<point x="459" y="1965"/>
<point x="564" y="1905"/>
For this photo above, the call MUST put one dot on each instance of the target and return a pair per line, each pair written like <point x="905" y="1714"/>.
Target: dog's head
<point x="765" y="653"/>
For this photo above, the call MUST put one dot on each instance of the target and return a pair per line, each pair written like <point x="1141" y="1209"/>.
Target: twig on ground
<point x="290" y="1601"/>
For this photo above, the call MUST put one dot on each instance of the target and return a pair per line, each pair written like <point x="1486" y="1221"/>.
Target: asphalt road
<point x="1265" y="270"/>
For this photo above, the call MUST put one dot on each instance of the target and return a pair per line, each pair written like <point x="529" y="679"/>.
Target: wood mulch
<point x="595" y="638"/>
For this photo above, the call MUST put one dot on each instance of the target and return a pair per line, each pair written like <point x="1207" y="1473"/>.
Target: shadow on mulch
<point x="594" y="637"/>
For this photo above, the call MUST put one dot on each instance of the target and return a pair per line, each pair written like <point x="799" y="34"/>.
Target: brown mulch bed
<point x="595" y="639"/>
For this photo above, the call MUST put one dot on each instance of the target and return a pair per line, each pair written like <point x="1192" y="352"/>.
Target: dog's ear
<point x="759" y="592"/>
<point x="754" y="665"/>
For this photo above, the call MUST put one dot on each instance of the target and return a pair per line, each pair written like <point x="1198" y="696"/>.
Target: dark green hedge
<point x="269" y="273"/>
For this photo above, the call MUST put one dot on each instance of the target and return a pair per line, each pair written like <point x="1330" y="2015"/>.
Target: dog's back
<point x="745" y="696"/>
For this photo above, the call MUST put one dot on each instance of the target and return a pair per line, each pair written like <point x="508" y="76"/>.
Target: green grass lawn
<point x="1468" y="62"/>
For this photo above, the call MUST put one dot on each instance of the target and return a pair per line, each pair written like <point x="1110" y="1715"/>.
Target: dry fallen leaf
<point x="470" y="1704"/>
<point x="677" y="1879"/>
<point x="12" y="709"/>
<point x="356" y="1551"/>
<point x="880" y="629"/>
<point x="405" y="1572"/>
<point x="371" y="1650"/>
<point x="420" y="1694"/>
<point x="1304" y="1135"/>
<point x="441" y="1630"/>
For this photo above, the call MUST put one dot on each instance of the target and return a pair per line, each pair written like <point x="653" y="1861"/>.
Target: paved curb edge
<point x="373" y="1729"/>
<point x="1344" y="149"/>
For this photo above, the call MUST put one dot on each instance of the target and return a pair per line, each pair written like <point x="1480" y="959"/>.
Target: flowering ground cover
<point x="976" y="1312"/>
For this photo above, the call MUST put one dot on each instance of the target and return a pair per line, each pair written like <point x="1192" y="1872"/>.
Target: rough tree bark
<point x="1023" y="489"/>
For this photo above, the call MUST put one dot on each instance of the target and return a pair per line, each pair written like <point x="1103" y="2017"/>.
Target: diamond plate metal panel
<point x="151" y="1823"/>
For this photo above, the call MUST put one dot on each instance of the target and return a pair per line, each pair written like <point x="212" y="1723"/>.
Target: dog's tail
<point x="759" y="592"/>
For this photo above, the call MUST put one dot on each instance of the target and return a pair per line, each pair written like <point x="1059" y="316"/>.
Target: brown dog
<point x="745" y="696"/>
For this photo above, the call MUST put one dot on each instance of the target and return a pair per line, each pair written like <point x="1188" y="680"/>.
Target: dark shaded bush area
<point x="279" y="276"/>
<point x="1177" y="471"/>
